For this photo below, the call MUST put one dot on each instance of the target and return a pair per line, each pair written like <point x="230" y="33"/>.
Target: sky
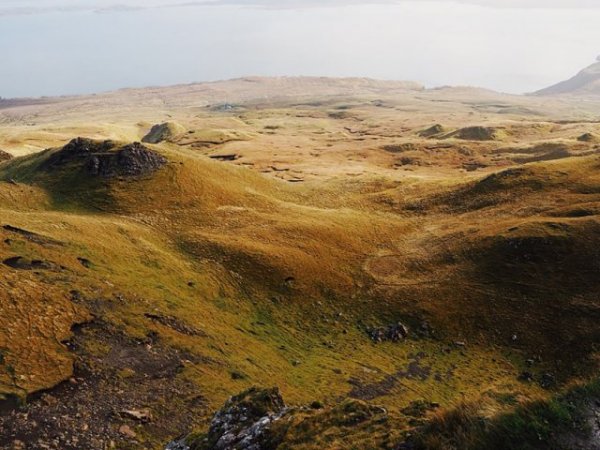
<point x="58" y="47"/>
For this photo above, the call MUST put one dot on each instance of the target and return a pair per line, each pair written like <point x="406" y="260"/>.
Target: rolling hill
<point x="586" y="82"/>
<point x="383" y="269"/>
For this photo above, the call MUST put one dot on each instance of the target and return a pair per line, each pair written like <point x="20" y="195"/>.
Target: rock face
<point x="163" y="132"/>
<point x="107" y="159"/>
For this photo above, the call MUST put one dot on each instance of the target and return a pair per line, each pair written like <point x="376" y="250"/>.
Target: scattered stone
<point x="392" y="333"/>
<point x="142" y="415"/>
<point x="49" y="400"/>
<point x="526" y="376"/>
<point x="425" y="330"/>
<point x="127" y="432"/>
<point x="85" y="262"/>
<point x="235" y="375"/>
<point x="419" y="408"/>
<point x="547" y="381"/>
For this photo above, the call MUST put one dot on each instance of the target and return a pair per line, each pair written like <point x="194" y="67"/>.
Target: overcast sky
<point x="53" y="47"/>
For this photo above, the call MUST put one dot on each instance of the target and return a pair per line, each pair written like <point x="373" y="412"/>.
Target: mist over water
<point x="74" y="50"/>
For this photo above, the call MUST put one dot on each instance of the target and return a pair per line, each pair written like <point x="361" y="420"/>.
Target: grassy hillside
<point x="172" y="286"/>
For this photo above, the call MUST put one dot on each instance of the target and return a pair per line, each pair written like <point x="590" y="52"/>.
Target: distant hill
<point x="585" y="82"/>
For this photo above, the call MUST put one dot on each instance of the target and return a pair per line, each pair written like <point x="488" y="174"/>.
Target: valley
<point x="365" y="264"/>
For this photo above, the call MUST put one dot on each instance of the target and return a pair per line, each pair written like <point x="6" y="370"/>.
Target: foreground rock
<point x="244" y="422"/>
<point x="258" y="419"/>
<point x="106" y="158"/>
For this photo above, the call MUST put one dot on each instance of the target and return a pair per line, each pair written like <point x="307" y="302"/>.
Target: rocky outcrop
<point x="478" y="133"/>
<point x="258" y="419"/>
<point x="432" y="131"/>
<point x="244" y="422"/>
<point x="4" y="156"/>
<point x="106" y="158"/>
<point x="79" y="149"/>
<point x="163" y="132"/>
<point x="22" y="263"/>
<point x="130" y="160"/>
<point x="589" y="137"/>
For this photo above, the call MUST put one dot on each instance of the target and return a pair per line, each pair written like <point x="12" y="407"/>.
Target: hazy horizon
<point x="61" y="47"/>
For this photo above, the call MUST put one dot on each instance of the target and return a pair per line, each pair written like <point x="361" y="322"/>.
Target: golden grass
<point x="283" y="279"/>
